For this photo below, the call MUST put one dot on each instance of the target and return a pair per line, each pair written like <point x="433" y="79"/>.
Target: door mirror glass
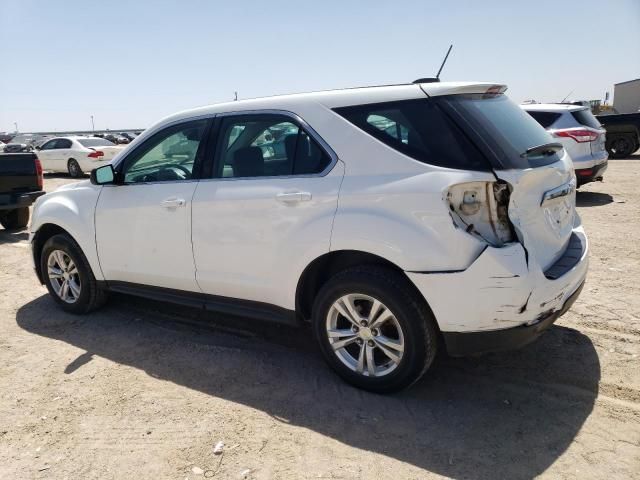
<point x="103" y="175"/>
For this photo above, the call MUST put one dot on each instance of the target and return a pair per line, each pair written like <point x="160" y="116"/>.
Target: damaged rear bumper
<point x="473" y="343"/>
<point x="502" y="301"/>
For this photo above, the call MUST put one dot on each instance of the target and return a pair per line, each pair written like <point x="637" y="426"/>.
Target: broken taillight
<point x="481" y="210"/>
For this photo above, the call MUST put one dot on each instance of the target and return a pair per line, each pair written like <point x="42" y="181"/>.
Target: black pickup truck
<point x="623" y="133"/>
<point x="20" y="185"/>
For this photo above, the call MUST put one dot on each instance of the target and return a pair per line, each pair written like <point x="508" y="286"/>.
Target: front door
<point x="49" y="156"/>
<point x="143" y="224"/>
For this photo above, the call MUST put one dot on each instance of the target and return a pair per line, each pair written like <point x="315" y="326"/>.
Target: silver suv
<point x="580" y="134"/>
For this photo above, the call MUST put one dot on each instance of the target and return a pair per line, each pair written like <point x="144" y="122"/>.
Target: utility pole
<point x="16" y="125"/>
<point x="236" y="97"/>
<point x="93" y="127"/>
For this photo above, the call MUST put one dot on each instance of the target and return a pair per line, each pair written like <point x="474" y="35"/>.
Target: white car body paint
<point x="234" y="238"/>
<point x="72" y="208"/>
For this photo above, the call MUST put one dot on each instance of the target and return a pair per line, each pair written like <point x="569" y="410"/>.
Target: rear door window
<point x="586" y="118"/>
<point x="545" y="119"/>
<point x="418" y="129"/>
<point x="266" y="145"/>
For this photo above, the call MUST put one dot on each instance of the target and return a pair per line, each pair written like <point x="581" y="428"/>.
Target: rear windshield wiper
<point x="546" y="149"/>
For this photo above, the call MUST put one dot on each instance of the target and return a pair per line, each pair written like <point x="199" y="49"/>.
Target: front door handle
<point x="293" y="197"/>
<point x="173" y="203"/>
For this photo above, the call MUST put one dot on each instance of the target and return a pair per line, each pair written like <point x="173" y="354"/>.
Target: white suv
<point x="580" y="134"/>
<point x="389" y="217"/>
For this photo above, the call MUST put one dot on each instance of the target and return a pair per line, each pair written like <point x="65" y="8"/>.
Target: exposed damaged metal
<point x="481" y="209"/>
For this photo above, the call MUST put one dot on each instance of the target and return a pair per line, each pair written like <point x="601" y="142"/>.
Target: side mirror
<point x="104" y="175"/>
<point x="38" y="147"/>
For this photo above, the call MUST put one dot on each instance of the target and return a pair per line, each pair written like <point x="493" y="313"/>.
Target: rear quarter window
<point x="419" y="129"/>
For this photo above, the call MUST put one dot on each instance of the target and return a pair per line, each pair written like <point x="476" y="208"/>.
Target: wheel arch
<point x="320" y="270"/>
<point x="44" y="233"/>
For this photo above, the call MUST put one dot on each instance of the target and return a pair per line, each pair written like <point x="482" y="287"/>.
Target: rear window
<point x="95" y="142"/>
<point x="419" y="129"/>
<point x="586" y="118"/>
<point x="501" y="127"/>
<point x="545" y="119"/>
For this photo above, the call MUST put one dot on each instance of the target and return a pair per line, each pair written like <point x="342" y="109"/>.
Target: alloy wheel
<point x="63" y="276"/>
<point x="365" y="335"/>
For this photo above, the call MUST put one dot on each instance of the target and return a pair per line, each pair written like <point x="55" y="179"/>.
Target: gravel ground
<point x="145" y="390"/>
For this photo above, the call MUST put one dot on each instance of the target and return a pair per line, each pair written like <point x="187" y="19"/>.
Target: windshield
<point x="95" y="142"/>
<point x="506" y="131"/>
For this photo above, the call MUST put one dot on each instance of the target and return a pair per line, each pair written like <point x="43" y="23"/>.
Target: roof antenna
<point x="236" y="97"/>
<point x="444" y="61"/>
<point x="568" y="95"/>
<point x="437" y="77"/>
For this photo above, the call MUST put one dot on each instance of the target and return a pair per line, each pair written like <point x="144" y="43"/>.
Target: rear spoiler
<point x="433" y="89"/>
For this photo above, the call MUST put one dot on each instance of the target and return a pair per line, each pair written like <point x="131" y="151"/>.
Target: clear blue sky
<point x="131" y="63"/>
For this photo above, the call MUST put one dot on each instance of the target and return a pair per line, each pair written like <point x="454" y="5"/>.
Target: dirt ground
<point x="146" y="390"/>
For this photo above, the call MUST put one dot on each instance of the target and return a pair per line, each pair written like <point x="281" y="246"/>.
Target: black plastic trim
<point x="569" y="259"/>
<point x="226" y="305"/>
<point x="473" y="343"/>
<point x="597" y="172"/>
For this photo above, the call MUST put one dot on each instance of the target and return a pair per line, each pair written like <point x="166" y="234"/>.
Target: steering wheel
<point x="186" y="171"/>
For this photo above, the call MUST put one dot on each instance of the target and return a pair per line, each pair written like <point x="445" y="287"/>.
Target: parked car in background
<point x="386" y="207"/>
<point x="623" y="133"/>
<point x="579" y="132"/>
<point x="76" y="155"/>
<point x="129" y="136"/>
<point x="20" y="184"/>
<point x="18" y="147"/>
<point x="2" y="144"/>
<point x="115" y="139"/>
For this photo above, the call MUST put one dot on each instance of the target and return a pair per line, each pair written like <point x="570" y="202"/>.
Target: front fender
<point x="71" y="209"/>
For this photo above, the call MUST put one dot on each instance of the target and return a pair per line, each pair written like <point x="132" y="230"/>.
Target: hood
<point x="73" y="186"/>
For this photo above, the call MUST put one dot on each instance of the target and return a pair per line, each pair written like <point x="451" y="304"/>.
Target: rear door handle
<point x="293" y="197"/>
<point x="173" y="203"/>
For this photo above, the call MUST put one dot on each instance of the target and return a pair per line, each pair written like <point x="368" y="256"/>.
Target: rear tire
<point x="392" y="341"/>
<point x="74" y="168"/>
<point x="62" y="260"/>
<point x="15" y="219"/>
<point x="621" y="146"/>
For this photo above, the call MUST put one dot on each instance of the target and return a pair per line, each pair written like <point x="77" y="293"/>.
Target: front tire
<point x="68" y="276"/>
<point x="15" y="219"/>
<point x="373" y="329"/>
<point x="74" y="168"/>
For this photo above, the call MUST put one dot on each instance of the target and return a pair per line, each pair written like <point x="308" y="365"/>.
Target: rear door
<point x="541" y="180"/>
<point x="267" y="211"/>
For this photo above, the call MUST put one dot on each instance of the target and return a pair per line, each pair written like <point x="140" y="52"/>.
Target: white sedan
<point x="76" y="155"/>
